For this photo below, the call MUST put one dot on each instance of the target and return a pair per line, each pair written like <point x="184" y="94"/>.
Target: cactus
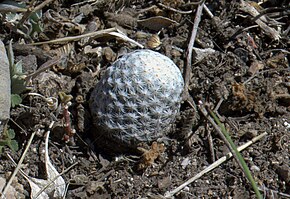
<point x="138" y="97"/>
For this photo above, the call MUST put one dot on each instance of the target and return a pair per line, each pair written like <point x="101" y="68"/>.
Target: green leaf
<point x="11" y="133"/>
<point x="17" y="68"/>
<point x="17" y="85"/>
<point x="15" y="100"/>
<point x="13" y="145"/>
<point x="16" y="74"/>
<point x="1" y="147"/>
<point x="3" y="142"/>
<point x="237" y="155"/>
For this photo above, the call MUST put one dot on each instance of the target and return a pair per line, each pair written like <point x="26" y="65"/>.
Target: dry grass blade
<point x="187" y="70"/>
<point x="44" y="67"/>
<point x="212" y="166"/>
<point x="54" y="183"/>
<point x="246" y="7"/>
<point x="102" y="33"/>
<point x="31" y="179"/>
<point x="18" y="166"/>
<point x="122" y="36"/>
<point x="223" y="133"/>
<point x="174" y="10"/>
<point x="4" y="8"/>
<point x="156" y="23"/>
<point x="96" y="34"/>
<point x="32" y="9"/>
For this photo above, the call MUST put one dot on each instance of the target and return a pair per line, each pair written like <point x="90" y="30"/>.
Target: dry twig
<point x="219" y="127"/>
<point x="101" y="33"/>
<point x="187" y="70"/>
<point x="32" y="9"/>
<point x="271" y="32"/>
<point x="212" y="166"/>
<point x="96" y="34"/>
<point x="174" y="10"/>
<point x="18" y="166"/>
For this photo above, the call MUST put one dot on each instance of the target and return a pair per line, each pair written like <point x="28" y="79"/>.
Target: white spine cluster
<point x="138" y="97"/>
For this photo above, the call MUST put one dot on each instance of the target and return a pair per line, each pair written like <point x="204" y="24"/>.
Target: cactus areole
<point x="138" y="97"/>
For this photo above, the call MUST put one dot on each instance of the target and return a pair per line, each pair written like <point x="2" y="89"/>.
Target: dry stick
<point x="125" y="38"/>
<point x="24" y="174"/>
<point x="189" y="48"/>
<point x="78" y="37"/>
<point x="213" y="165"/>
<point x="11" y="8"/>
<point x="15" y="123"/>
<point x="174" y="10"/>
<point x="32" y="9"/>
<point x="231" y="146"/>
<point x="217" y="128"/>
<point x="111" y="31"/>
<point x="26" y="14"/>
<point x="265" y="189"/>
<point x="193" y="3"/>
<point x="209" y="13"/>
<point x="44" y="67"/>
<point x="211" y="147"/>
<point x="4" y="8"/>
<point x="52" y="180"/>
<point x="40" y="6"/>
<point x="248" y="8"/>
<point x="18" y="166"/>
<point x="46" y="158"/>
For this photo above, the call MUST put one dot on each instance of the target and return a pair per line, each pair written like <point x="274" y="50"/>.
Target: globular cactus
<point x="138" y="97"/>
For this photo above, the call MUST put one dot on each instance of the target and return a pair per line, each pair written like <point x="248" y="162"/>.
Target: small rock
<point x="164" y="183"/>
<point x="29" y="63"/>
<point x="255" y="168"/>
<point x="93" y="186"/>
<point x="5" y="87"/>
<point x="284" y="173"/>
<point x="185" y="162"/>
<point x="12" y="191"/>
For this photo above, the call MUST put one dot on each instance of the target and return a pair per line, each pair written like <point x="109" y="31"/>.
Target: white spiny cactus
<point x="138" y="97"/>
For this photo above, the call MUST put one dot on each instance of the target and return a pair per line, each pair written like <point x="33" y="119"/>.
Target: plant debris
<point x="149" y="156"/>
<point x="233" y="55"/>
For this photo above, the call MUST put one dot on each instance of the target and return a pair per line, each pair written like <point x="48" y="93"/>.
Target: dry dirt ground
<point x="240" y="67"/>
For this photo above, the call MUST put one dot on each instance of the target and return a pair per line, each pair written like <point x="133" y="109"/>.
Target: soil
<point x="238" y="69"/>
